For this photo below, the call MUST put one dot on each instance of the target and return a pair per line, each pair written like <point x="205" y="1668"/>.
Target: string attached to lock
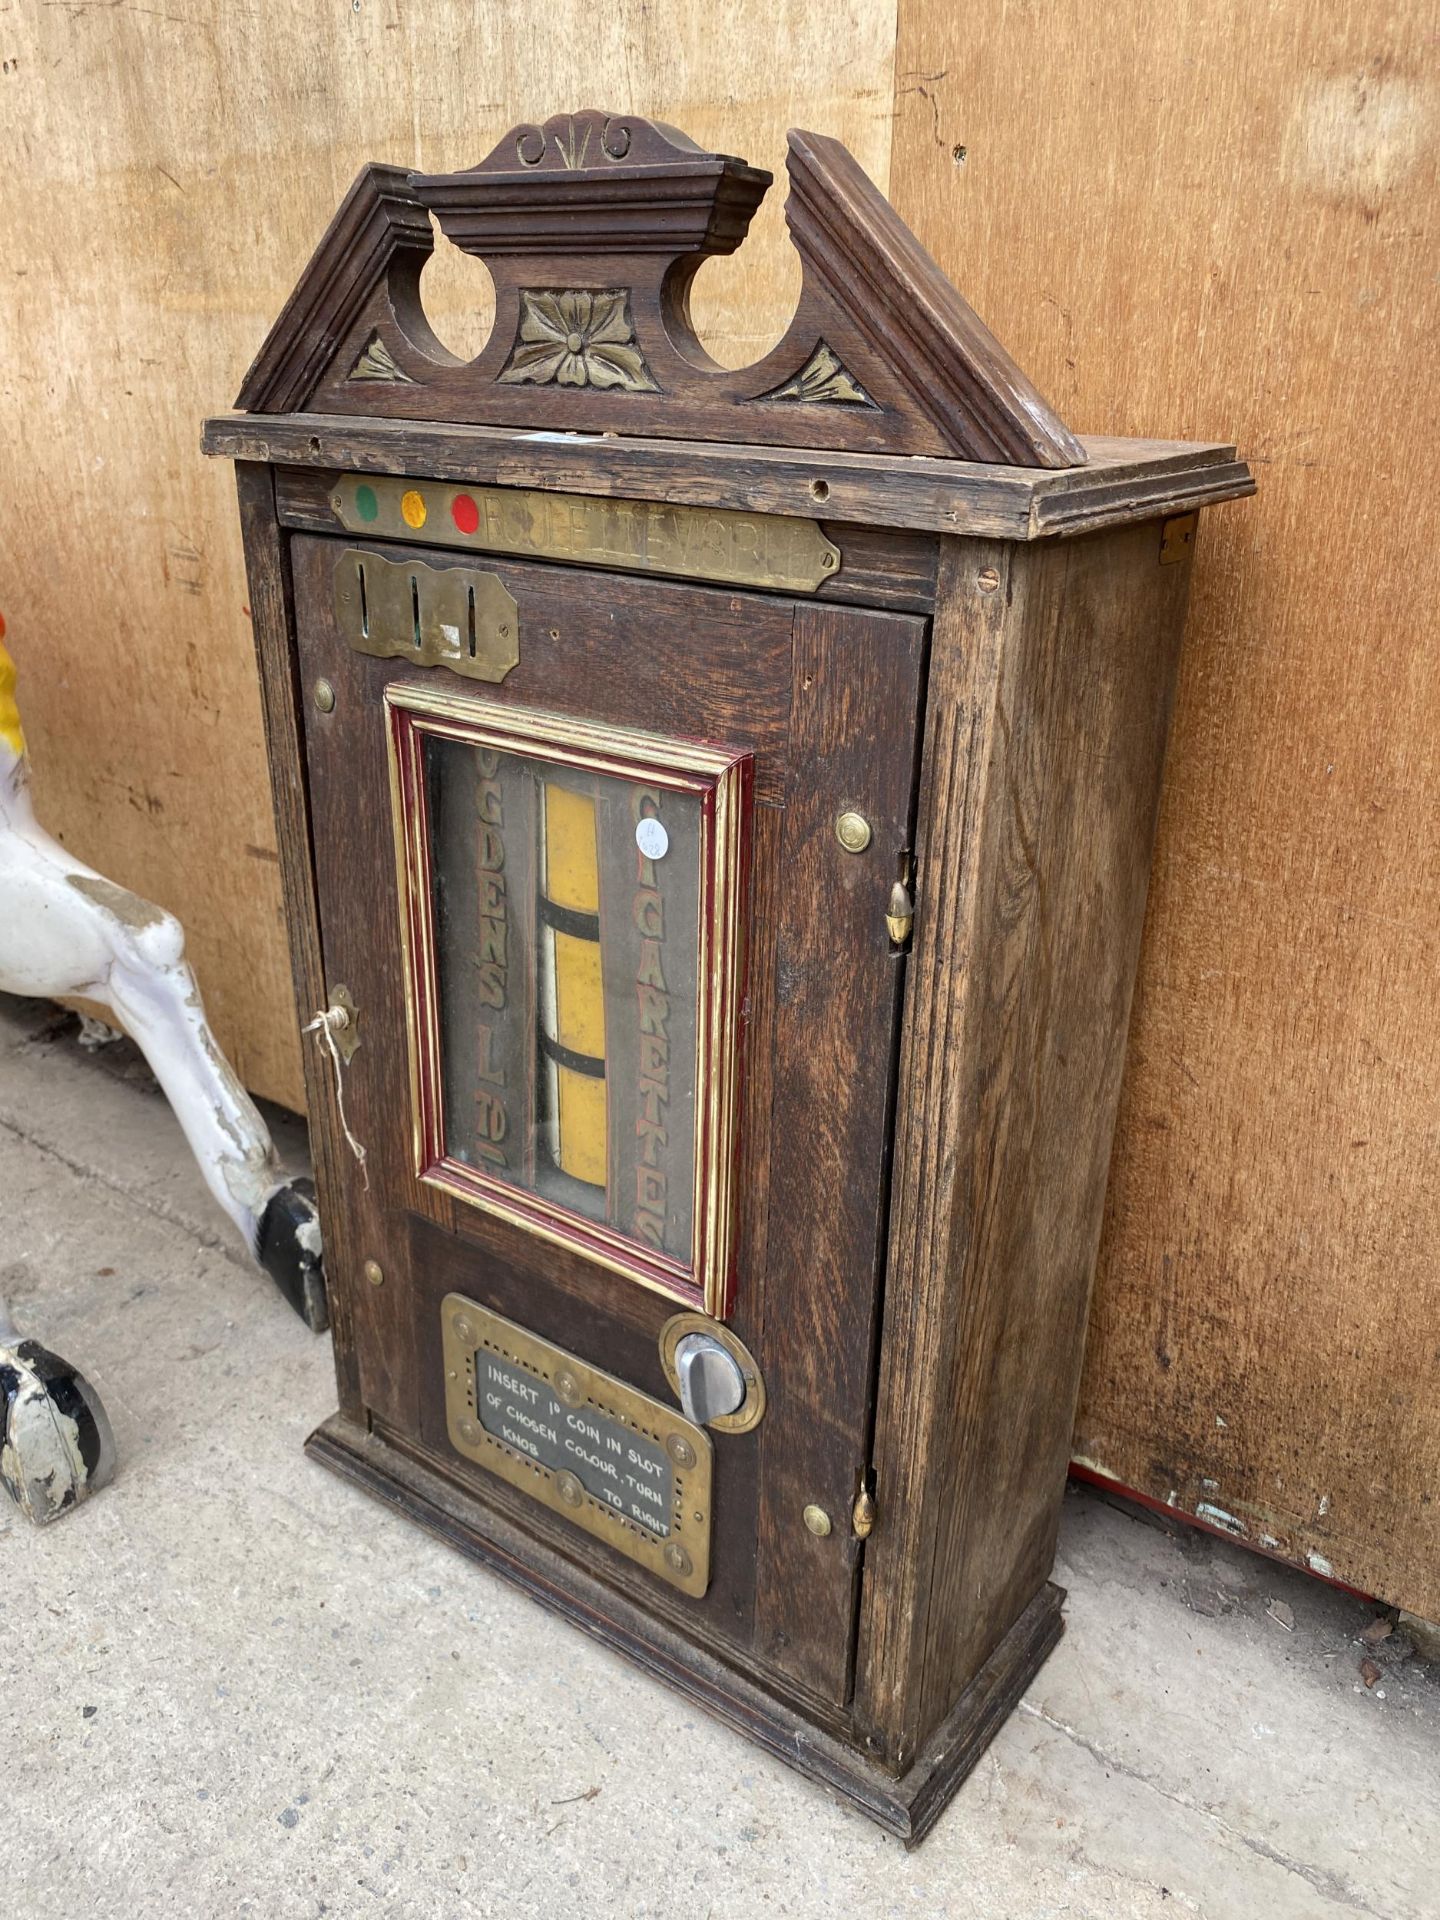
<point x="325" y="1026"/>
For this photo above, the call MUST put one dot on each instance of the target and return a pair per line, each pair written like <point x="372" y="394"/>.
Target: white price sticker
<point x="651" y="838"/>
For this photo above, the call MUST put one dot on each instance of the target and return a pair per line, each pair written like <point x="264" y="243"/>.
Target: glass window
<point x="575" y="1005"/>
<point x="566" y="961"/>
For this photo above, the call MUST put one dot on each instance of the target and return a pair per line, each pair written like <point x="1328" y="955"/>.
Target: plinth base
<point x="907" y="1807"/>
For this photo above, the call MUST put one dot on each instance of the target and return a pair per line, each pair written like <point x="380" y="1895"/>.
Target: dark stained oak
<point x="924" y="1113"/>
<point x="857" y="681"/>
<point x="1049" y="706"/>
<point x="593" y="227"/>
<point x="272" y="614"/>
<point x="1124" y="480"/>
<point x="826" y="700"/>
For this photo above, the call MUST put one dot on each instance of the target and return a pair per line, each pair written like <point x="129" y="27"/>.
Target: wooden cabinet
<point x="716" y="813"/>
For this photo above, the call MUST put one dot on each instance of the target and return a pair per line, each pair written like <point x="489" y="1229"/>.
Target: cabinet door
<point x="627" y="1018"/>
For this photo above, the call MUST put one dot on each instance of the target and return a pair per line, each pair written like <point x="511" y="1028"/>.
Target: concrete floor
<point x="234" y="1686"/>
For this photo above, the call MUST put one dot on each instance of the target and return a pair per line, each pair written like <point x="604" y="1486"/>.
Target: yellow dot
<point x="412" y="508"/>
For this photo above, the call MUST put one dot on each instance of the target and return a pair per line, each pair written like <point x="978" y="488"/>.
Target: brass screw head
<point x="567" y="1387"/>
<point x="818" y="1521"/>
<point x="569" y="1489"/>
<point x="324" y="696"/>
<point x="853" y="831"/>
<point x="469" y="1432"/>
<point x="464" y="1328"/>
<point x="374" y="1273"/>
<point x="987" y="579"/>
<point x="680" y="1450"/>
<point x="677" y="1559"/>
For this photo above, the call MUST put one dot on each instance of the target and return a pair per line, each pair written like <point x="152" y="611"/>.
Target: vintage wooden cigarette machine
<point x="715" y="811"/>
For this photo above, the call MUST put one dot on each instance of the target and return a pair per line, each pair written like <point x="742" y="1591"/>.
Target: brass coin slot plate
<point x="774" y="551"/>
<point x="453" y="617"/>
<point x="580" y="1442"/>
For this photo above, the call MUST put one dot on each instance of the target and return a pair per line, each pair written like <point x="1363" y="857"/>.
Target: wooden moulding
<point x="907" y="1807"/>
<point x="1122" y="481"/>
<point x="593" y="227"/>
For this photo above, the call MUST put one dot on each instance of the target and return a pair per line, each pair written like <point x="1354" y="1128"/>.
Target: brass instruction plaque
<point x="627" y="1469"/>
<point x="772" y="550"/>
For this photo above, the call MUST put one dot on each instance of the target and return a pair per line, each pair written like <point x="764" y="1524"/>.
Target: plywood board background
<point x="1217" y="222"/>
<point x="1206" y="223"/>
<point x="168" y="171"/>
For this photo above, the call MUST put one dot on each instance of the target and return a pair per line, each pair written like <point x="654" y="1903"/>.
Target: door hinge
<point x="1177" y="538"/>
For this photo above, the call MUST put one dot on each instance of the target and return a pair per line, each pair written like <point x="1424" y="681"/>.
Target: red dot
<point x="465" y="513"/>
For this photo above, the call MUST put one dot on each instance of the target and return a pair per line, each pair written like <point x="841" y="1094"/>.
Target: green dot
<point x="366" y="505"/>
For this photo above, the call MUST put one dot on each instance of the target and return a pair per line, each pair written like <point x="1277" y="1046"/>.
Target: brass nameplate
<point x="455" y="617"/>
<point x="630" y="1470"/>
<point x="771" y="550"/>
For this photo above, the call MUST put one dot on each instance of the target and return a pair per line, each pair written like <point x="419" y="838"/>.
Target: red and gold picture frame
<point x="571" y="904"/>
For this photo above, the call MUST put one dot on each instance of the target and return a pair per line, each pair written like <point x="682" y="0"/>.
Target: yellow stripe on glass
<point x="572" y="881"/>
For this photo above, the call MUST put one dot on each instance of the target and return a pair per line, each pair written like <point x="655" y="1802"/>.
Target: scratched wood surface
<point x="826" y="700"/>
<point x="170" y="170"/>
<point x="1052" y="674"/>
<point x="1218" y="231"/>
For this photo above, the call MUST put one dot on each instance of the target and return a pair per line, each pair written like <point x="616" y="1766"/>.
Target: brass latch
<point x="862" y="1514"/>
<point x="900" y="914"/>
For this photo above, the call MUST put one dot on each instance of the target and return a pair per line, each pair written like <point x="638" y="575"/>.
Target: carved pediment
<point x="378" y="363"/>
<point x="592" y="227"/>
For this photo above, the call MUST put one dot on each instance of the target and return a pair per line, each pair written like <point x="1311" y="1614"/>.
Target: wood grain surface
<point x="1122" y="480"/>
<point x="592" y="228"/>
<point x="826" y="699"/>
<point x="1219" y="230"/>
<point x="857" y="686"/>
<point x="170" y="172"/>
<point x="1051" y="683"/>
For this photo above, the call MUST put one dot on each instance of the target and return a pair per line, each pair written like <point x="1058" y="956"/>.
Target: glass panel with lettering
<point x="565" y="907"/>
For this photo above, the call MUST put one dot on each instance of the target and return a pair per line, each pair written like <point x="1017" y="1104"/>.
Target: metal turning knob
<point x="711" y="1383"/>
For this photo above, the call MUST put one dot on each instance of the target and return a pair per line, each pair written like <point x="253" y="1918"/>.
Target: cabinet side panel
<point x="1020" y="1040"/>
<point x="272" y="612"/>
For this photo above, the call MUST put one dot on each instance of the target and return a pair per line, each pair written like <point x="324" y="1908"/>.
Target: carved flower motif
<point x="578" y="339"/>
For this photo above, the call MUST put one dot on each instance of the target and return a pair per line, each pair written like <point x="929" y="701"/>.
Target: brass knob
<point x="853" y="831"/>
